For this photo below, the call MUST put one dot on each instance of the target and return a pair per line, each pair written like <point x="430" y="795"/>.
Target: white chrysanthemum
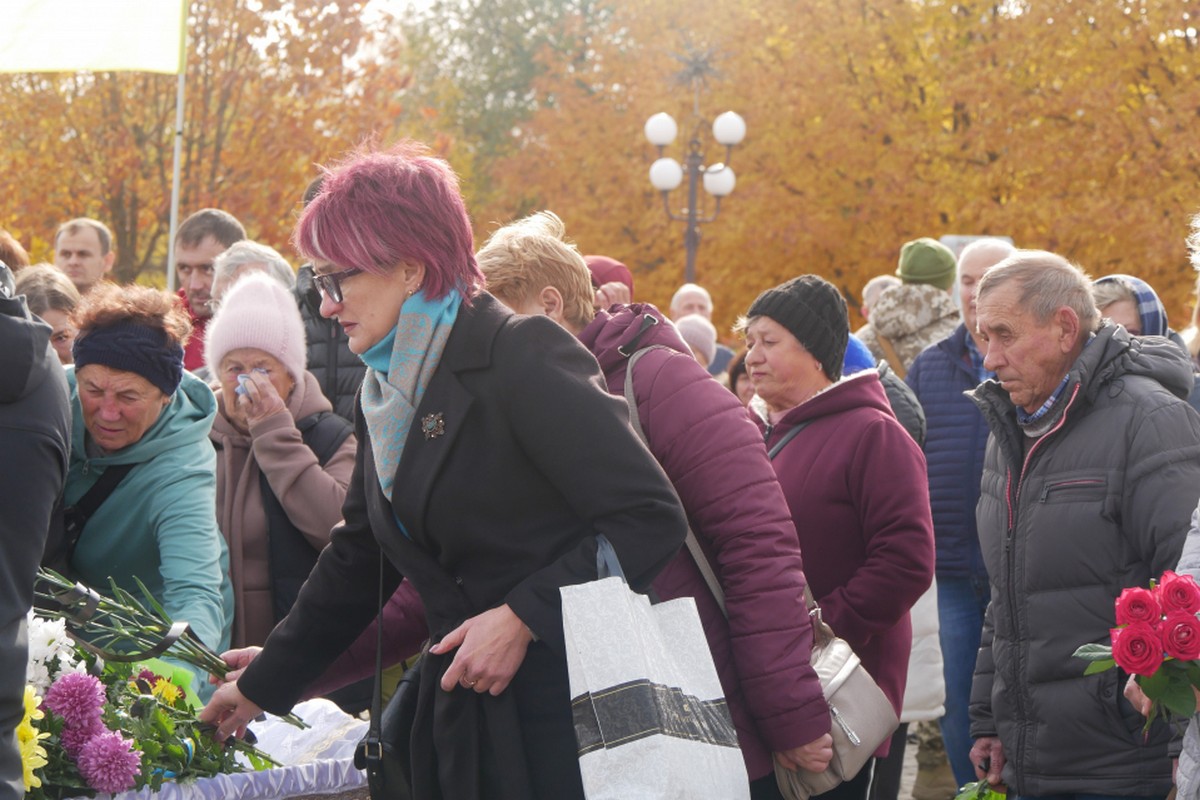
<point x="51" y="651"/>
<point x="46" y="636"/>
<point x="38" y="676"/>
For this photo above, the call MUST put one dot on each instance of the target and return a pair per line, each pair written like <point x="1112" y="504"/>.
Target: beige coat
<point x="311" y="495"/>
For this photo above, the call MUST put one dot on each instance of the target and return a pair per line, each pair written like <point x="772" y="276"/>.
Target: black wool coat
<point x="503" y="505"/>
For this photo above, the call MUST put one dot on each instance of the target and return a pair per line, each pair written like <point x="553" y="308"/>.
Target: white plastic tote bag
<point x="650" y="716"/>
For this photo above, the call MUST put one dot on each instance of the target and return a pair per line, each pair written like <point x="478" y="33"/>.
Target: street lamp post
<point x="718" y="179"/>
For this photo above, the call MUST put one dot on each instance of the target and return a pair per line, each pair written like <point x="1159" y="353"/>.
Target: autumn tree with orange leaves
<point x="269" y="93"/>
<point x="1068" y="126"/>
<point x="1063" y="124"/>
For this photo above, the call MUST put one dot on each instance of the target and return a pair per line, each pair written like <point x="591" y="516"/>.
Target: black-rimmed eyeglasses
<point x="330" y="284"/>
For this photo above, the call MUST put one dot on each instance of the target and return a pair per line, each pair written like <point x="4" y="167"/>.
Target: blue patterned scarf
<point x="1149" y="308"/>
<point x="399" y="368"/>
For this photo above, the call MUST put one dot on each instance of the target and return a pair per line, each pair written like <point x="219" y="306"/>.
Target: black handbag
<point x="384" y="751"/>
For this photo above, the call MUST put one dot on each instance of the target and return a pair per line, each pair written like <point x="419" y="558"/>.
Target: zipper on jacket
<point x="1012" y="515"/>
<point x="1014" y="503"/>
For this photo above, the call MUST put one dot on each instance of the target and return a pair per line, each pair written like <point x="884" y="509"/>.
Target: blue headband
<point x="132" y="347"/>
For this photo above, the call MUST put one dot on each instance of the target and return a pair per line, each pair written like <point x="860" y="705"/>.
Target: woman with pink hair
<point x="467" y="482"/>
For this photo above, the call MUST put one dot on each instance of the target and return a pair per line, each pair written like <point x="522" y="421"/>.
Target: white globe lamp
<point x="666" y="174"/>
<point x="661" y="129"/>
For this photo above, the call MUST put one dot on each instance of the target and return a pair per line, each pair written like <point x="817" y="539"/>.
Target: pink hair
<point x="381" y="208"/>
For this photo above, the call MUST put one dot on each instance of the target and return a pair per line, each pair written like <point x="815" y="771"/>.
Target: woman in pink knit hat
<point x="283" y="457"/>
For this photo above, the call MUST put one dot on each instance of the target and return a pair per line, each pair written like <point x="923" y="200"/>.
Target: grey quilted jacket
<point x="1188" y="779"/>
<point x="1099" y="503"/>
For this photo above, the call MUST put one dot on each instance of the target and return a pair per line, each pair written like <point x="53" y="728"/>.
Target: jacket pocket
<point x="1125" y="721"/>
<point x="1074" y="490"/>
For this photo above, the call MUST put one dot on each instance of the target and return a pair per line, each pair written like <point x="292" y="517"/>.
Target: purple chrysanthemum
<point x="76" y="697"/>
<point x="147" y="675"/>
<point x="74" y="737"/>
<point x="109" y="763"/>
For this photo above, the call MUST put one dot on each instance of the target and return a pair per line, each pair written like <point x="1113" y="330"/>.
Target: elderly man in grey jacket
<point x="1090" y="477"/>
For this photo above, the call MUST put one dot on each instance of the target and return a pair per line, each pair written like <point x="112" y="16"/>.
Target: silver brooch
<point x="432" y="425"/>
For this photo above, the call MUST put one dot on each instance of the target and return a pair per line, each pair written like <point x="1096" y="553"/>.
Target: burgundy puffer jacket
<point x="715" y="458"/>
<point x="856" y="481"/>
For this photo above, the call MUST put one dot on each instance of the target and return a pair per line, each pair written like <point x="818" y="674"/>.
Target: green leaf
<point x="154" y="604"/>
<point x="1099" y="666"/>
<point x="1178" y="697"/>
<point x="1155" y="686"/>
<point x="1094" y="652"/>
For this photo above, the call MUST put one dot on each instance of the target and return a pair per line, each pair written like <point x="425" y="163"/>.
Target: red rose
<point x="1137" y="648"/>
<point x="1181" y="636"/>
<point x="1138" y="605"/>
<point x="1178" y="593"/>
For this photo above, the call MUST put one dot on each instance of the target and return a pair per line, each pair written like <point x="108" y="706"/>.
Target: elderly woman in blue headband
<point x="140" y="493"/>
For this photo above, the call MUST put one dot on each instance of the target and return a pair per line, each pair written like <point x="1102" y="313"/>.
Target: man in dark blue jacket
<point x="954" y="446"/>
<point x="35" y="427"/>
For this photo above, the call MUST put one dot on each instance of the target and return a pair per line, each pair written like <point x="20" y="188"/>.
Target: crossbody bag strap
<point x="372" y="743"/>
<point x="75" y="517"/>
<point x="706" y="570"/>
<point x="889" y="353"/>
<point x="787" y="437"/>
<point x="821" y="630"/>
<point x="104" y="486"/>
<point x="822" y="633"/>
<point x="693" y="545"/>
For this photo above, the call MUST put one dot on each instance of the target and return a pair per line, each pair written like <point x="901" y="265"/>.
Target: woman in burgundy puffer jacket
<point x="715" y="458"/>
<point x="851" y="473"/>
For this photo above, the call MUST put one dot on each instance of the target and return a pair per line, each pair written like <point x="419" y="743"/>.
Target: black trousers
<point x="886" y="783"/>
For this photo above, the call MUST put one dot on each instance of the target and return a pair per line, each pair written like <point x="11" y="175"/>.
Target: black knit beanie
<point x="815" y="313"/>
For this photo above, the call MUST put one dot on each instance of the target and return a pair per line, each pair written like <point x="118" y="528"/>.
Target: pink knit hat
<point x="699" y="334"/>
<point x="257" y="312"/>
